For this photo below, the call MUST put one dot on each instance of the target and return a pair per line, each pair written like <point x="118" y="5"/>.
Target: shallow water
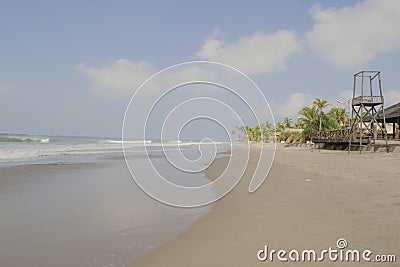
<point x="88" y="214"/>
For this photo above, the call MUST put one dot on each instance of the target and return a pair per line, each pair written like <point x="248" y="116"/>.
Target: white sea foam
<point x="20" y="149"/>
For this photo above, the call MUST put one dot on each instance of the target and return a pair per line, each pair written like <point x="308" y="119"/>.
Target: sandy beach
<point x="311" y="199"/>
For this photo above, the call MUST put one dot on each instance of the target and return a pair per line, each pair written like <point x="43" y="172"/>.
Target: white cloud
<point x="291" y="106"/>
<point x="256" y="54"/>
<point x="118" y="79"/>
<point x="350" y="37"/>
<point x="122" y="77"/>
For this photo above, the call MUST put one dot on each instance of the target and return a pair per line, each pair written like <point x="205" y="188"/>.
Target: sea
<point x="71" y="201"/>
<point x="19" y="149"/>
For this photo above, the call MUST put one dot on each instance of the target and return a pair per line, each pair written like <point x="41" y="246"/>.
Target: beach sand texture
<point x="310" y="199"/>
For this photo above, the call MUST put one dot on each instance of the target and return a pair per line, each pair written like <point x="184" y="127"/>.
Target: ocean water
<point x="20" y="149"/>
<point x="71" y="201"/>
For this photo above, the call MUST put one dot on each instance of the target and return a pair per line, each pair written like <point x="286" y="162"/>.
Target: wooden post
<point x="361" y="125"/>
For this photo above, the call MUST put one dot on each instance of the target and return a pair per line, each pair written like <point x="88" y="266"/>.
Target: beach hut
<point x="392" y="116"/>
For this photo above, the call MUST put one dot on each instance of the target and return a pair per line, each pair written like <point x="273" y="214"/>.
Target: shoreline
<point x="310" y="199"/>
<point x="81" y="214"/>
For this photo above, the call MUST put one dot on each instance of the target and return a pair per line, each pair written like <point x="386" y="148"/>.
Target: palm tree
<point x="258" y="133"/>
<point x="250" y="133"/>
<point x="309" y="120"/>
<point x="267" y="131"/>
<point x="320" y="105"/>
<point x="279" y="127"/>
<point x="299" y="123"/>
<point x="287" y="122"/>
<point x="339" y="115"/>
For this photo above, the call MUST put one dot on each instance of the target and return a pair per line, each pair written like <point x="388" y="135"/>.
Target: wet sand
<point x="81" y="214"/>
<point x="310" y="199"/>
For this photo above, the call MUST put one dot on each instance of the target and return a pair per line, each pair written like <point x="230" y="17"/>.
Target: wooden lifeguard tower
<point x="367" y="110"/>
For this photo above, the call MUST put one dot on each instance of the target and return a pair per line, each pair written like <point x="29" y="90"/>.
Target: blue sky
<point x="56" y="57"/>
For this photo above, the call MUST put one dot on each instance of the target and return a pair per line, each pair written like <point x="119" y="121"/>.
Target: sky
<point x="71" y="67"/>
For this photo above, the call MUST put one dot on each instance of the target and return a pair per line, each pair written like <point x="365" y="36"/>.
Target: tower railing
<point x="367" y="100"/>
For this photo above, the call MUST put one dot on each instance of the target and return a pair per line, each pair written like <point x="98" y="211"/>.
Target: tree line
<point x="311" y="119"/>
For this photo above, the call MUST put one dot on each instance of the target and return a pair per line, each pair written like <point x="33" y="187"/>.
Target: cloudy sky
<point x="71" y="67"/>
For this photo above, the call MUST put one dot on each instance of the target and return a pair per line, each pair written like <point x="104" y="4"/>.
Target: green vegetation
<point x="312" y="119"/>
<point x="320" y="105"/>
<point x="259" y="133"/>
